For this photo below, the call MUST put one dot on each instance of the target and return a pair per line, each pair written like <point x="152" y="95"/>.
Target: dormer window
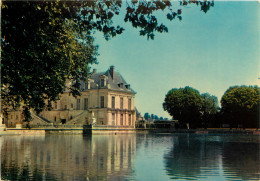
<point x="102" y="82"/>
<point x="90" y="81"/>
<point x="120" y="85"/>
<point x="127" y="86"/>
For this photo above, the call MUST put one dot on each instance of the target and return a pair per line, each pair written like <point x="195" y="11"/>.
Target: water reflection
<point x="193" y="158"/>
<point x="130" y="157"/>
<point x="242" y="160"/>
<point x="59" y="157"/>
<point x="199" y="157"/>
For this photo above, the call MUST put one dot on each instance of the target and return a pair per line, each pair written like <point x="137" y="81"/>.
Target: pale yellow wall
<point x="125" y="97"/>
<point x="102" y="115"/>
<point x="14" y="117"/>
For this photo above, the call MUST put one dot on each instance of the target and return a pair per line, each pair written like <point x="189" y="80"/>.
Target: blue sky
<point x="209" y="52"/>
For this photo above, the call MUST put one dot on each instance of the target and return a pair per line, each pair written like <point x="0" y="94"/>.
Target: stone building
<point x="106" y="99"/>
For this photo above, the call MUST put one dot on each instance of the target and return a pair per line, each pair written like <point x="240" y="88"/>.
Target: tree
<point x="240" y="106"/>
<point x="146" y="116"/>
<point x="184" y="104"/>
<point x="40" y="51"/>
<point x="156" y="117"/>
<point x="45" y="43"/>
<point x="209" y="108"/>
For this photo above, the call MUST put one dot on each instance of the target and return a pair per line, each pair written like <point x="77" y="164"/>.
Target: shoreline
<point x="44" y="131"/>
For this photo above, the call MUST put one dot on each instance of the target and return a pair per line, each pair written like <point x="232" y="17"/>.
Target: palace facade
<point x="106" y="99"/>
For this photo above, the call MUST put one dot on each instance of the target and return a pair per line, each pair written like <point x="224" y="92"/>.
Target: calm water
<point x="130" y="157"/>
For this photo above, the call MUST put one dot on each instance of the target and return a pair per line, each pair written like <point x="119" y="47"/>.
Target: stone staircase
<point x="79" y="119"/>
<point x="40" y="119"/>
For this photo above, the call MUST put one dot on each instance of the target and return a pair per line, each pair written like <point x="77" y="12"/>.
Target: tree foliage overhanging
<point x="41" y="50"/>
<point x="45" y="43"/>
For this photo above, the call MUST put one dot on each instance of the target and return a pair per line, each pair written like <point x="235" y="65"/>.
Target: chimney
<point x="112" y="72"/>
<point x="94" y="71"/>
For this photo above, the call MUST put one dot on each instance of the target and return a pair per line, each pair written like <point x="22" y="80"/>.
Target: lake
<point x="131" y="157"/>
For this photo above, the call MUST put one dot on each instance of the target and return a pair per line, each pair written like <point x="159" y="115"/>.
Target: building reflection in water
<point x="61" y="157"/>
<point x="195" y="157"/>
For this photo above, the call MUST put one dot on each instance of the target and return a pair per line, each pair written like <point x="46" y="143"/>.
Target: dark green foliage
<point x="240" y="106"/>
<point x="152" y="116"/>
<point x="40" y="51"/>
<point x="184" y="104"/>
<point x="209" y="109"/>
<point x="140" y="15"/>
<point x="46" y="43"/>
<point x="146" y="116"/>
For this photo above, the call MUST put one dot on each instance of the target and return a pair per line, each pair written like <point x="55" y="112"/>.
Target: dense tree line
<point x="45" y="43"/>
<point x="240" y="107"/>
<point x="189" y="107"/>
<point x="153" y="117"/>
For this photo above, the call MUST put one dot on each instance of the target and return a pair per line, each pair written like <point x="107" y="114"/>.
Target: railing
<point x="120" y="110"/>
<point x="154" y="125"/>
<point x="41" y="118"/>
<point x="76" y="118"/>
<point x="111" y="126"/>
<point x="81" y="126"/>
<point x="56" y="126"/>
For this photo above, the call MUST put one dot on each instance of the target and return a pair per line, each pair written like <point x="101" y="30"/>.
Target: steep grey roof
<point x="117" y="83"/>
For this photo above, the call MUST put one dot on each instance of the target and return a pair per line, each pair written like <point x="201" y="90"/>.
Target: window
<point x="129" y="103"/>
<point x="78" y="104"/>
<point x="65" y="107"/>
<point x="85" y="103"/>
<point x="113" y="102"/>
<point x="102" y="105"/>
<point x="121" y="119"/>
<point x="113" y="116"/>
<point x="86" y="86"/>
<point x="129" y="120"/>
<point x="102" y="82"/>
<point x="121" y="103"/>
<point x="71" y="105"/>
<point x="56" y="106"/>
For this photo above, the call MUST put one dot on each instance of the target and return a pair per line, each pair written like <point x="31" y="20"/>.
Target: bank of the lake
<point x="106" y="130"/>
